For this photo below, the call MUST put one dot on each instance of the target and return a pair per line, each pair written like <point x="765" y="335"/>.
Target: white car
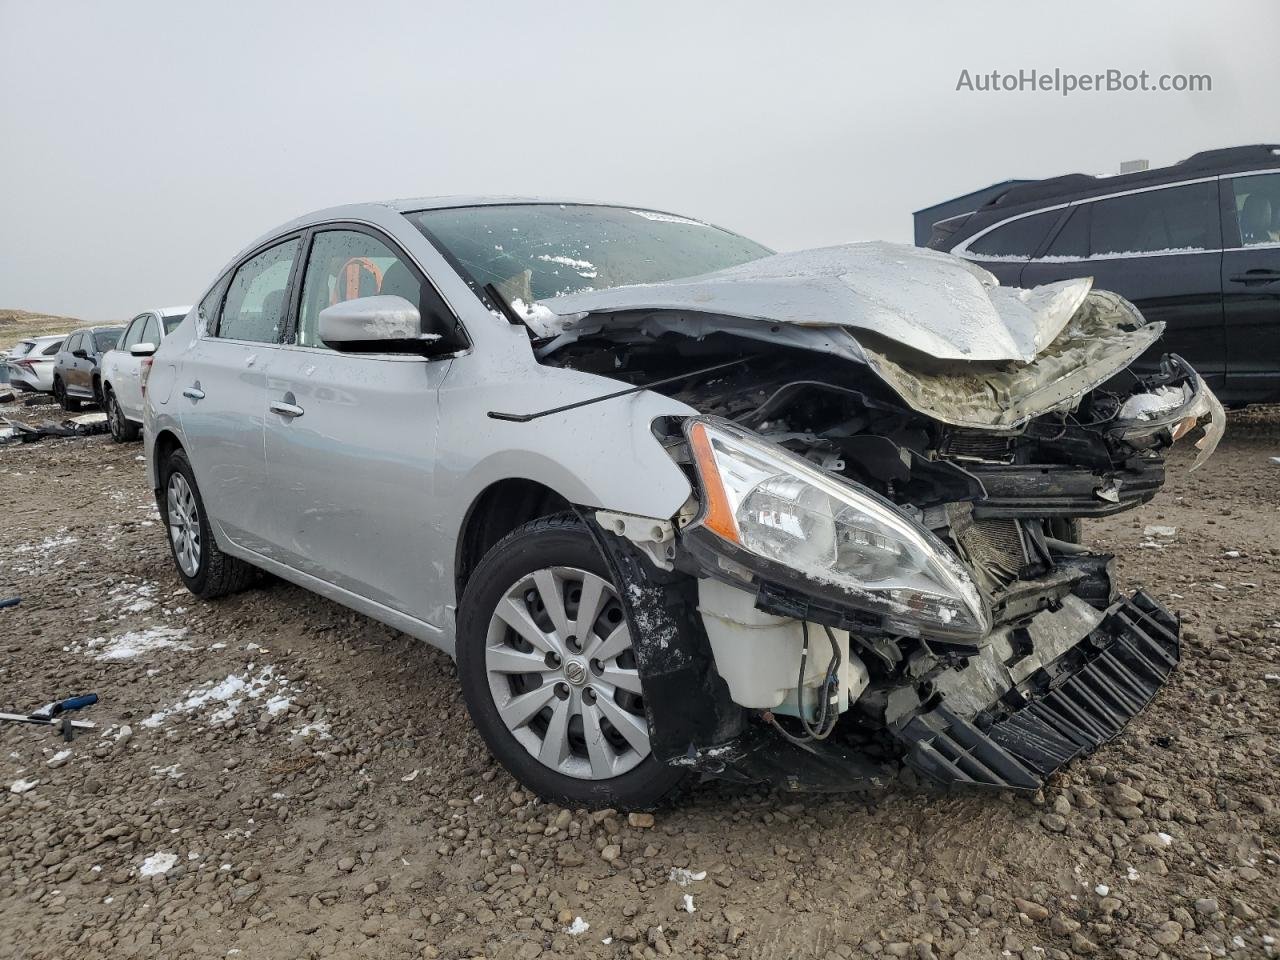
<point x="30" y="363"/>
<point x="125" y="369"/>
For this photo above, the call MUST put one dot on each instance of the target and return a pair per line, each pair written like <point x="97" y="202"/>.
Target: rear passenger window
<point x="1174" y="219"/>
<point x="1258" y="208"/>
<point x="1018" y="239"/>
<point x="52" y="348"/>
<point x="255" y="305"/>
<point x="1072" y="241"/>
<point x="345" y="265"/>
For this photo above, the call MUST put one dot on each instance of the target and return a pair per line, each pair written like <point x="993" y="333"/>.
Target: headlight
<point x="841" y="539"/>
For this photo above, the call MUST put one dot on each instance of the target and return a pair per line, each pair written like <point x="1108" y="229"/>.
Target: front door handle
<point x="193" y="392"/>
<point x="1260" y="275"/>
<point x="290" y="410"/>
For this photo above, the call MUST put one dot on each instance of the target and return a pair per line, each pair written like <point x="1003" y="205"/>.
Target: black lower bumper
<point x="1069" y="708"/>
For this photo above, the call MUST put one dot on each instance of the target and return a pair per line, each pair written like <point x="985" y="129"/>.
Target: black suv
<point x="1195" y="244"/>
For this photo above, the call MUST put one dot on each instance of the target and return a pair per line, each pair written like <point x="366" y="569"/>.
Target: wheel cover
<point x="562" y="674"/>
<point x="184" y="524"/>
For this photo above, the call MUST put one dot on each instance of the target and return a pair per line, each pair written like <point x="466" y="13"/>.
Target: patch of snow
<point x="409" y="777"/>
<point x="157" y="864"/>
<point x="59" y="758"/>
<point x="667" y="218"/>
<point x="1155" y="530"/>
<point x="684" y="876"/>
<point x="23" y="786"/>
<point x="135" y="643"/>
<point x="1102" y="889"/>
<point x="577" y="928"/>
<point x="688" y="906"/>
<point x="584" y="268"/>
<point x="229" y="693"/>
<point x="542" y="320"/>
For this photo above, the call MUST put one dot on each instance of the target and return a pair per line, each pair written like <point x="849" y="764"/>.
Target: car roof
<point x="1073" y="186"/>
<point x="170" y="311"/>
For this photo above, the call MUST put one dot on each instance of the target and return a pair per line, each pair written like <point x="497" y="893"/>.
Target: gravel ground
<point x="276" y="777"/>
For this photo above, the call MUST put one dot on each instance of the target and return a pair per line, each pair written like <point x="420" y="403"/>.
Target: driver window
<point x="151" y="331"/>
<point x="133" y="334"/>
<point x="345" y="265"/>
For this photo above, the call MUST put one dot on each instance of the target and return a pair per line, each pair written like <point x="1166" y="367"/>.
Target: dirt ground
<point x="273" y="776"/>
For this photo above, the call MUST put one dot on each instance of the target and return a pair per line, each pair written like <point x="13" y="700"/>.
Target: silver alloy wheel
<point x="113" y="416"/>
<point x="184" y="523"/>
<point x="562" y="674"/>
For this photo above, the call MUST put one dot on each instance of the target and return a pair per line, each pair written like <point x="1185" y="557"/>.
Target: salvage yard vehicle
<point x="126" y="366"/>
<point x="30" y="365"/>
<point x="1194" y="245"/>
<point x="679" y="505"/>
<point x="76" y="373"/>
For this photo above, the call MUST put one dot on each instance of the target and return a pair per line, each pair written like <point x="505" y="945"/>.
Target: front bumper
<point x="1067" y="708"/>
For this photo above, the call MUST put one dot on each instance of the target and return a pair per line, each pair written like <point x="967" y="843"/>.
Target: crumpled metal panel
<point x="942" y="306"/>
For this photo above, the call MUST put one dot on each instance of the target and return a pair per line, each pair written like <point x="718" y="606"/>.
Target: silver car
<point x="680" y="506"/>
<point x="30" y="363"/>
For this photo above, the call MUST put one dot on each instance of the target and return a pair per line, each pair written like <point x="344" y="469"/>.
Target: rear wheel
<point x="123" y="430"/>
<point x="203" y="567"/>
<point x="70" y="404"/>
<point x="549" y="673"/>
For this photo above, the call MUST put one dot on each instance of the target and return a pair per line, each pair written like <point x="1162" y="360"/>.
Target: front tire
<point x="548" y="673"/>
<point x="123" y="430"/>
<point x="204" y="568"/>
<point x="69" y="404"/>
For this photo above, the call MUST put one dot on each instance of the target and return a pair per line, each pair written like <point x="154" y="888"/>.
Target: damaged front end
<point x="882" y="562"/>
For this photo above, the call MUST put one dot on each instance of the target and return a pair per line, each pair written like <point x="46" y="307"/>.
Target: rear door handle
<point x="193" y="392"/>
<point x="290" y="410"/>
<point x="1260" y="275"/>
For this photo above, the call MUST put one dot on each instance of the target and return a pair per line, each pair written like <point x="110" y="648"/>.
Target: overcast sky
<point x="143" y="144"/>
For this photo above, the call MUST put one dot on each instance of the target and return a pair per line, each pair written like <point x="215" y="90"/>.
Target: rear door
<point x="351" y="438"/>
<point x="1251" y="285"/>
<point x="220" y="392"/>
<point x="1160" y="248"/>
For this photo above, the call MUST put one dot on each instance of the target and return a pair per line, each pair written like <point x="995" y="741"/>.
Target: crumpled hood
<point x="932" y="302"/>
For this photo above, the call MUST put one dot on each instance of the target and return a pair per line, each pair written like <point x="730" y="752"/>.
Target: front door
<point x="350" y="438"/>
<point x="1251" y="286"/>
<point x="221" y="394"/>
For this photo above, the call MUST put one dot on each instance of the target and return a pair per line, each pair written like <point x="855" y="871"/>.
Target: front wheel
<point x="123" y="430"/>
<point x="549" y="674"/>
<point x="203" y="567"/>
<point x="70" y="404"/>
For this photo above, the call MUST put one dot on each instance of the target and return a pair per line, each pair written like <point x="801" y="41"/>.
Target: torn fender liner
<point x="686" y="702"/>
<point x="1072" y="706"/>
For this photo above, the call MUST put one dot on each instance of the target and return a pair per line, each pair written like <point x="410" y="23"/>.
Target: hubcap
<point x="184" y="524"/>
<point x="562" y="673"/>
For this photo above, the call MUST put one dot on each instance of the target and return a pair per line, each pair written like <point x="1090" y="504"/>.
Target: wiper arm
<point x="526" y="417"/>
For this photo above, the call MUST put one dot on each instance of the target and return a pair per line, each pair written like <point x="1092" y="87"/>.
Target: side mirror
<point x="374" y="325"/>
<point x="80" y="354"/>
<point x="142" y="349"/>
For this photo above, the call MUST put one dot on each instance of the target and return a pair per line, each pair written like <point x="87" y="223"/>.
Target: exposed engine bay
<point x="883" y="561"/>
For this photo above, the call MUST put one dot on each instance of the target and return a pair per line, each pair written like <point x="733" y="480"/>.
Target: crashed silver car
<point x="680" y="506"/>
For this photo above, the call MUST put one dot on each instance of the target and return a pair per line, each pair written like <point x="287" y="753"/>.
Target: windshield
<point x="533" y="251"/>
<point x="106" y="340"/>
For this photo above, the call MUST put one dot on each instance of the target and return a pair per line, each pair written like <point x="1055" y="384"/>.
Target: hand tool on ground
<point x="54" y="715"/>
